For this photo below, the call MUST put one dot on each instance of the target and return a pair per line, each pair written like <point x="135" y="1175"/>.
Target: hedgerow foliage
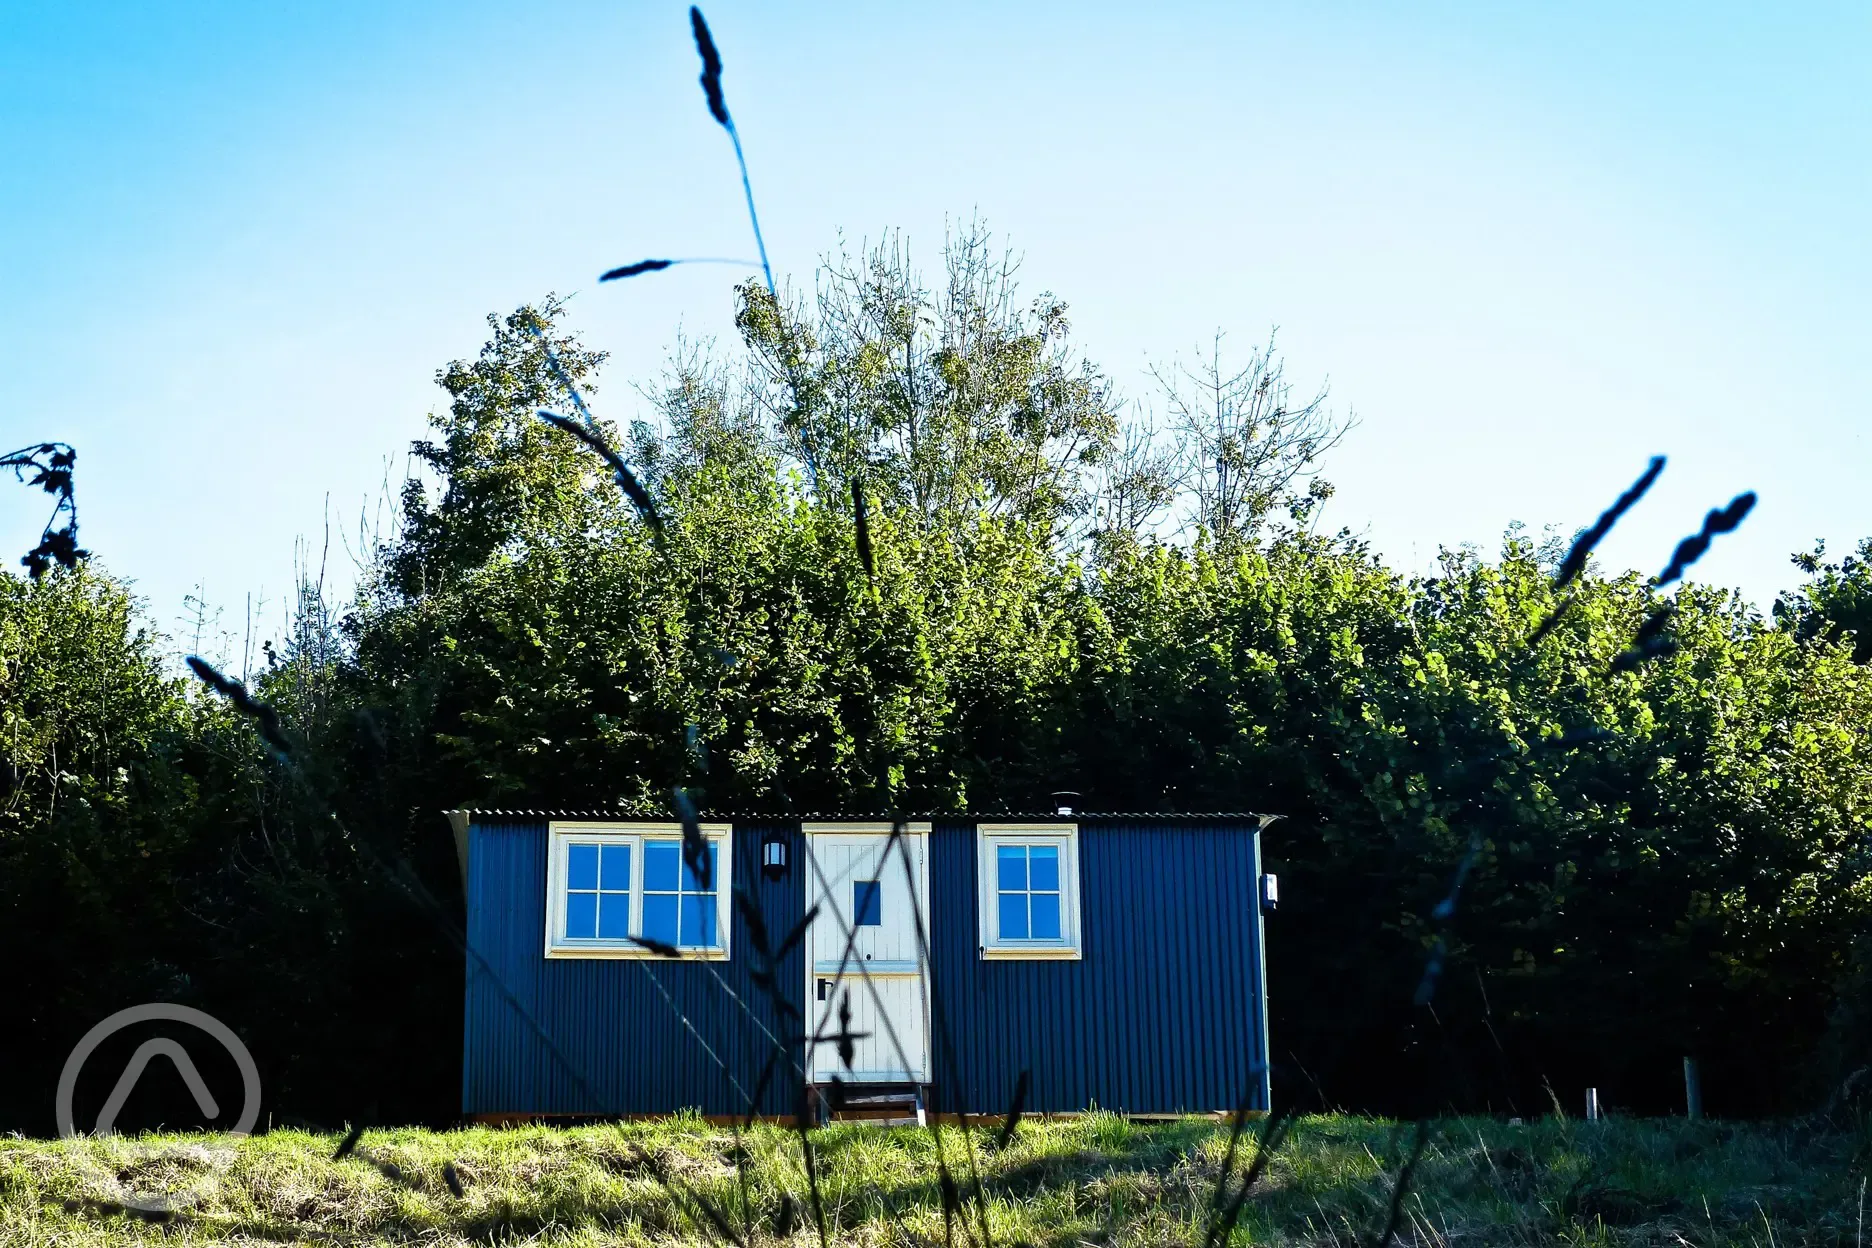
<point x="1672" y="855"/>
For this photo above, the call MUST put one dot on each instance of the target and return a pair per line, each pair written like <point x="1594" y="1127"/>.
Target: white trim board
<point x="560" y="832"/>
<point x="1064" y="835"/>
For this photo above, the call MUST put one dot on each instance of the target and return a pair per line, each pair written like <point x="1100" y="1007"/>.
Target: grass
<point x="1093" y="1180"/>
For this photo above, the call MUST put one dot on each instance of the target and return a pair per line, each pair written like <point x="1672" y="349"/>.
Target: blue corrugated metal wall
<point x="622" y="1047"/>
<point x="1162" y="1014"/>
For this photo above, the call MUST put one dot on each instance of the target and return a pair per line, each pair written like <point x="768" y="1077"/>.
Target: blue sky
<point x="1529" y="245"/>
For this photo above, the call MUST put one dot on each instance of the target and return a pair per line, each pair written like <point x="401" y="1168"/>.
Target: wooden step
<point x="875" y="1106"/>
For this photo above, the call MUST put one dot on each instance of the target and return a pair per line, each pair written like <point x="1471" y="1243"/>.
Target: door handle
<point x="825" y="989"/>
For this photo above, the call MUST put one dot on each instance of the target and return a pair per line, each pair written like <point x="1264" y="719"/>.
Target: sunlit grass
<point x="1095" y="1180"/>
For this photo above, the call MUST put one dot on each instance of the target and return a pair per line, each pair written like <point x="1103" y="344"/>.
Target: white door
<point x="864" y="891"/>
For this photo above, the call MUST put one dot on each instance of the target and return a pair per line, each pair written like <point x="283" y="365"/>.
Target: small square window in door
<point x="867" y="904"/>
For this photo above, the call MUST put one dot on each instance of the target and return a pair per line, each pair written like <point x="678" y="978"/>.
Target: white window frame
<point x="561" y="834"/>
<point x="988" y="908"/>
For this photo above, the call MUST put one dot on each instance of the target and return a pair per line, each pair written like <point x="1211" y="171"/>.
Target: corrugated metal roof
<point x="945" y="816"/>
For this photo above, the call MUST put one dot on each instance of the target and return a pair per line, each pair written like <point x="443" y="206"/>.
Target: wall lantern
<point x="773" y="857"/>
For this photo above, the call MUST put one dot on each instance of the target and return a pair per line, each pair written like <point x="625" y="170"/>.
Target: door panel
<point x="854" y="881"/>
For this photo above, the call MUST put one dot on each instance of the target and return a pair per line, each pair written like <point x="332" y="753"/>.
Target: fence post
<point x="1693" y="1088"/>
<point x="1592" y="1104"/>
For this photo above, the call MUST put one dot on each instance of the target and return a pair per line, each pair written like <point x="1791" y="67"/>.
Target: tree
<point x="946" y="404"/>
<point x="1244" y="443"/>
<point x="505" y="473"/>
<point x="98" y="774"/>
<point x="1836" y="601"/>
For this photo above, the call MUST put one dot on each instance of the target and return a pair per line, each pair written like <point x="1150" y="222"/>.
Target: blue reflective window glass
<point x="659" y="916"/>
<point x="662" y="862"/>
<point x="1030" y="900"/>
<point x="598" y="884"/>
<point x="691" y="884"/>
<point x="676" y="908"/>
<point x="615" y="873"/>
<point x="581" y="916"/>
<point x="698" y="921"/>
<point x="1046" y="916"/>
<point x="1012" y="866"/>
<point x="867" y="903"/>
<point x="613" y="916"/>
<point x="1013" y="916"/>
<point x="1043" y="868"/>
<point x="582" y="866"/>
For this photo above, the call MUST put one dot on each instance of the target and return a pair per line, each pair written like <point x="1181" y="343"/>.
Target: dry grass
<point x="1095" y="1180"/>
